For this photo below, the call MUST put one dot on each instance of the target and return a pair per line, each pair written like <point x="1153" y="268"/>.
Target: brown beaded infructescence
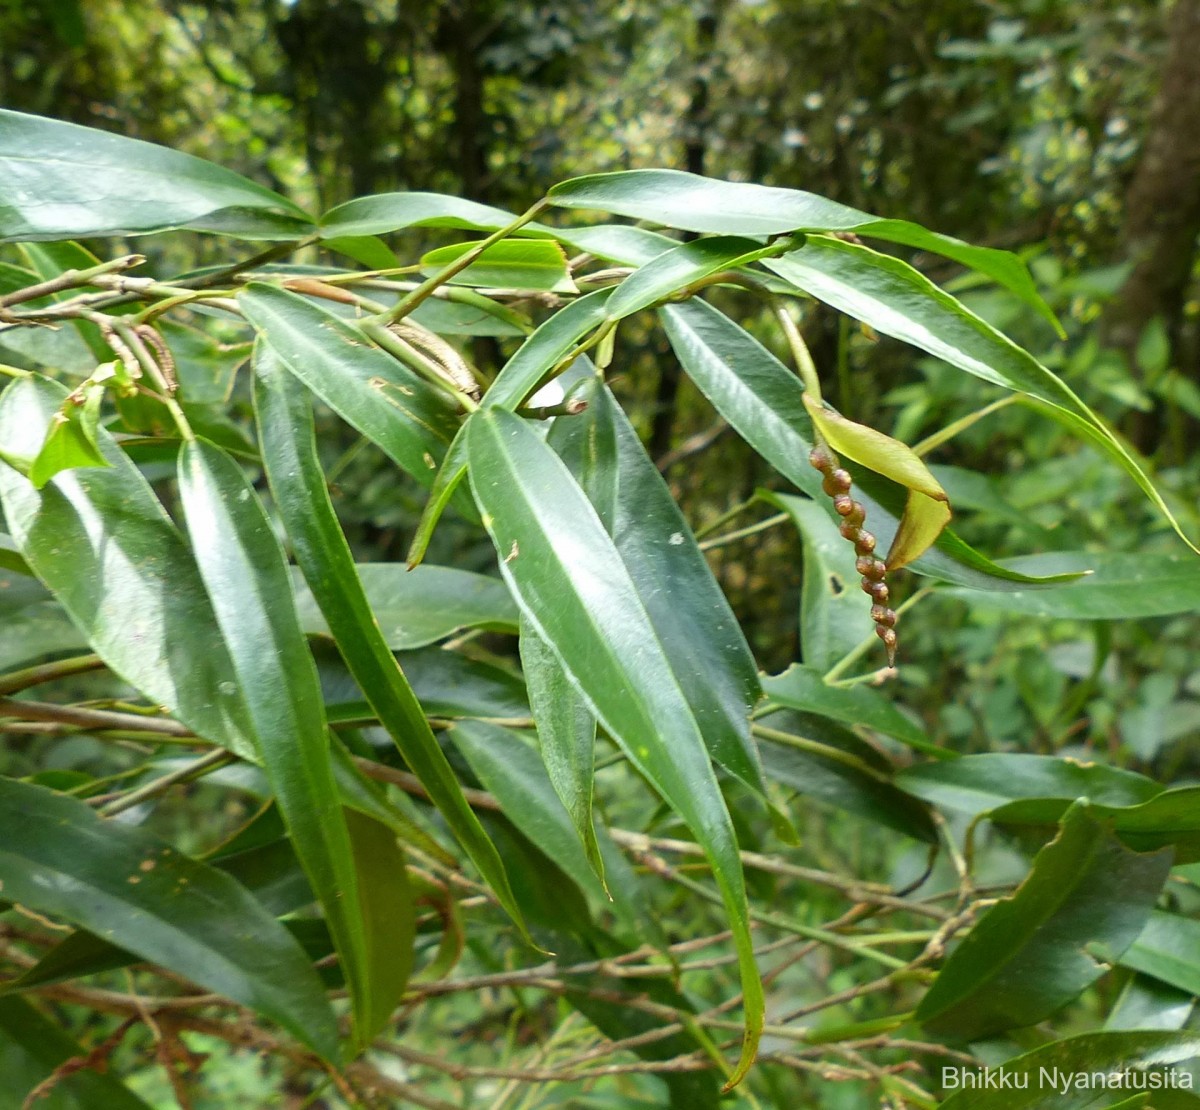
<point x="873" y="570"/>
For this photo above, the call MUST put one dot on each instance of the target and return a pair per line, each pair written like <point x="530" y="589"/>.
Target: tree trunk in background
<point x="696" y="126"/>
<point x="1162" y="218"/>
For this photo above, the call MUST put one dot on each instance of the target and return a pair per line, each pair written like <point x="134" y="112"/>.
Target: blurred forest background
<point x="1065" y="130"/>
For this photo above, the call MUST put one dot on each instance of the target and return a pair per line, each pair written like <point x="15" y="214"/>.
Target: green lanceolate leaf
<point x="1030" y="953"/>
<point x="100" y="540"/>
<point x="681" y="266"/>
<point x="1048" y="1077"/>
<point x="566" y="731"/>
<point x="699" y="633"/>
<point x="692" y="203"/>
<point x="510" y="264"/>
<point x="285" y="426"/>
<point x="927" y="511"/>
<point x="976" y="784"/>
<point x="627" y="246"/>
<point x="58" y="857"/>
<point x="31" y="1049"/>
<point x="247" y="579"/>
<point x="521" y="375"/>
<point x="61" y="181"/>
<point x="834" y="612"/>
<point x="896" y="300"/>
<point x="1168" y="949"/>
<point x="408" y="419"/>
<point x="388" y="916"/>
<point x="385" y="212"/>
<point x="1145" y="1003"/>
<point x="763" y="400"/>
<point x="571" y="584"/>
<point x="419" y="606"/>
<point x="1117" y="586"/>
<point x="803" y="689"/>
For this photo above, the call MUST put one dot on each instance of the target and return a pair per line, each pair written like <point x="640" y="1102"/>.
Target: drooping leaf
<point x="763" y="400"/>
<point x="1106" y="1053"/>
<point x="58" y="857"/>
<point x="896" y="300"/>
<point x="1031" y="953"/>
<point x="286" y="430"/>
<point x="692" y="619"/>
<point x="835" y="614"/>
<point x="423" y="605"/>
<point x="388" y="916"/>
<point x="509" y="264"/>
<point x="32" y="1047"/>
<point x="246" y="577"/>
<point x="566" y="731"/>
<point x="62" y="181"/>
<point x="976" y="784"/>
<point x="571" y="584"/>
<point x="692" y="203"/>
<point x="927" y="511"/>
<point x="1119" y="586"/>
<point x="405" y="416"/>
<point x="802" y="688"/>
<point x="103" y="544"/>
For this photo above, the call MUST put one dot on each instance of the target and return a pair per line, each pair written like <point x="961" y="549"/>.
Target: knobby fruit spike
<point x="873" y="569"/>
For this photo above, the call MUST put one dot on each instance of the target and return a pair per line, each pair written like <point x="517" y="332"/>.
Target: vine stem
<point x="800" y="353"/>
<point x="428" y="287"/>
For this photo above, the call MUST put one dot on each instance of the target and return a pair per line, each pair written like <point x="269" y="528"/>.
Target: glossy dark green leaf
<point x="520" y="376"/>
<point x="367" y="250"/>
<point x="538" y="264"/>
<point x="763" y="400"/>
<point x="388" y="916"/>
<point x="293" y="469"/>
<point x="1119" y="587"/>
<point x="835" y="614"/>
<point x="112" y="557"/>
<point x="402" y="414"/>
<point x="896" y="300"/>
<point x="1032" y="952"/>
<point x="385" y="212"/>
<point x="448" y="684"/>
<point x="1047" y="1077"/>
<point x="693" y="203"/>
<point x="465" y="312"/>
<point x="61" y="181"/>
<point x="802" y="688"/>
<point x="32" y="1047"/>
<point x="246" y="577"/>
<point x="1168" y="949"/>
<point x="423" y="605"/>
<point x="11" y="559"/>
<point x="831" y="770"/>
<point x="627" y="246"/>
<point x="692" y="619"/>
<point x="566" y="732"/>
<point x="978" y="784"/>
<point x="1146" y="1003"/>
<point x="681" y="266"/>
<point x="125" y="885"/>
<point x="571" y="584"/>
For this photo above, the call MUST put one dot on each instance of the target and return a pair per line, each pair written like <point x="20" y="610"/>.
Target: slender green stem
<point x="727" y="516"/>
<point x="742" y="533"/>
<point x="800" y="352"/>
<point x="814" y="747"/>
<point x="48" y="672"/>
<point x="848" y="660"/>
<point x="148" y="364"/>
<point x="427" y="288"/>
<point x="406" y="353"/>
<point x="14" y="371"/>
<point x="70" y="279"/>
<point x="196" y="769"/>
<point x="962" y="424"/>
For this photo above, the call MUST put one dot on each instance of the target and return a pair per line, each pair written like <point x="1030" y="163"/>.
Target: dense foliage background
<point x="1067" y="132"/>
